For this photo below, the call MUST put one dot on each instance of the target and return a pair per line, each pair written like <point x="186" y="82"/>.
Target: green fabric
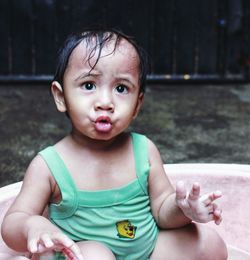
<point x="99" y="215"/>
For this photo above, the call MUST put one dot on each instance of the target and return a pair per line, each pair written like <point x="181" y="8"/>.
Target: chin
<point x="102" y="136"/>
<point x="105" y="136"/>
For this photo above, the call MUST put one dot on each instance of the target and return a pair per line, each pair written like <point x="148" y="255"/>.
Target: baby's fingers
<point x="195" y="192"/>
<point x="69" y="246"/>
<point x="42" y="244"/>
<point x="217" y="215"/>
<point x="68" y="254"/>
<point x="209" y="198"/>
<point x="218" y="219"/>
<point x="47" y="241"/>
<point x="180" y="190"/>
<point x="33" y="245"/>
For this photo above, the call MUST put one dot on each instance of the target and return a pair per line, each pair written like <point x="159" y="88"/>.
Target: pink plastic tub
<point x="234" y="182"/>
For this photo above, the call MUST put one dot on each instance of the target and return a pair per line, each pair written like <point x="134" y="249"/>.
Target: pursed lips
<point x="103" y="124"/>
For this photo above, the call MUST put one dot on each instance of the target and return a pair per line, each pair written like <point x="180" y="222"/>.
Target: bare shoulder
<point x="36" y="188"/>
<point x="158" y="180"/>
<point x="38" y="172"/>
<point x="154" y="155"/>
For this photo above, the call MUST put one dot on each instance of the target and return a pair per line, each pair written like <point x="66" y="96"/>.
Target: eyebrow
<point x="126" y="79"/>
<point x="88" y="74"/>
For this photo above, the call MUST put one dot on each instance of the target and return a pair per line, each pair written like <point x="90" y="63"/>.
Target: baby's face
<point x="102" y="101"/>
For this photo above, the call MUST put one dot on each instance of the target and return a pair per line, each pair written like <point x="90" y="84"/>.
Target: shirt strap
<point x="140" y="147"/>
<point x="59" y="171"/>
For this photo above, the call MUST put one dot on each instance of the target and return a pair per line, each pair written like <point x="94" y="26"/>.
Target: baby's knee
<point x="95" y="251"/>
<point x="213" y="246"/>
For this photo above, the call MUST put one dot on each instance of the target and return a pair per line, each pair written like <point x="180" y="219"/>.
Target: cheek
<point x="74" y="110"/>
<point x="75" y="102"/>
<point x="128" y="109"/>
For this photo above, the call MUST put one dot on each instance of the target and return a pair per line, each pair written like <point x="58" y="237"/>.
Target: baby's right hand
<point x="56" y="242"/>
<point x="41" y="241"/>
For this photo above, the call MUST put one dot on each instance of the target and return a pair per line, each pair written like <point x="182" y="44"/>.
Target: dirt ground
<point x="189" y="123"/>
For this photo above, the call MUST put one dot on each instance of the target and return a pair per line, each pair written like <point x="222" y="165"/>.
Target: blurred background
<point x="197" y="105"/>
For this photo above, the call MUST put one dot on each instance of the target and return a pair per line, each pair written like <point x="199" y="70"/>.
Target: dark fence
<point x="186" y="39"/>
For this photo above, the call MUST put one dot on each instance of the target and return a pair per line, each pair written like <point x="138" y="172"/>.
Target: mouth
<point x="103" y="124"/>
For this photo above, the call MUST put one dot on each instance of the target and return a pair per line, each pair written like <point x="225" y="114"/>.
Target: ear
<point x="139" y="104"/>
<point x="57" y="92"/>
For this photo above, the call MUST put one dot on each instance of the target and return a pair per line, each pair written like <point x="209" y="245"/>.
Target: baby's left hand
<point x="198" y="208"/>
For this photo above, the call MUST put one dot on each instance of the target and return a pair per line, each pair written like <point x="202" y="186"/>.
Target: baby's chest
<point x="96" y="177"/>
<point x="102" y="177"/>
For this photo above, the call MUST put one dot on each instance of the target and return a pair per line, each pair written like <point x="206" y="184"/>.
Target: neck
<point x="95" y="144"/>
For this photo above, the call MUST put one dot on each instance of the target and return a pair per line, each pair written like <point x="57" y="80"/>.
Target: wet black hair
<point x="100" y="37"/>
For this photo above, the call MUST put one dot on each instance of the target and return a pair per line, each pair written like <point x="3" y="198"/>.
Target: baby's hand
<point x="54" y="241"/>
<point x="198" y="208"/>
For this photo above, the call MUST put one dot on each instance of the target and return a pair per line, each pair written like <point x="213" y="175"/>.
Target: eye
<point x="88" y="86"/>
<point x="122" y="89"/>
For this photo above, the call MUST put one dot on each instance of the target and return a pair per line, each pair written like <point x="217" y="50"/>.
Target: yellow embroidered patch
<point x="125" y="229"/>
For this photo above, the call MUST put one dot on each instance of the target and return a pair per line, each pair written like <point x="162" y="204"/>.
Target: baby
<point x="106" y="190"/>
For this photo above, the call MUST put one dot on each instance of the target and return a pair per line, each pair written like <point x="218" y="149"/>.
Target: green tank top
<point x="120" y="218"/>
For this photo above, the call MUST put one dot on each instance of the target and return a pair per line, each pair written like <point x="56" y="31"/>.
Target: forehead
<point x="87" y="52"/>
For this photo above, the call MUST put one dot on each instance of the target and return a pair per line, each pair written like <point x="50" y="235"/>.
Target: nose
<point x="104" y="101"/>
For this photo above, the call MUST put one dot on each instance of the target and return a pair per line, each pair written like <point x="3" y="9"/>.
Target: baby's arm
<point x="24" y="228"/>
<point x="166" y="203"/>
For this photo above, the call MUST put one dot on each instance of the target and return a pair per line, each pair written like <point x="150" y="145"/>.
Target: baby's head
<point x="95" y="41"/>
